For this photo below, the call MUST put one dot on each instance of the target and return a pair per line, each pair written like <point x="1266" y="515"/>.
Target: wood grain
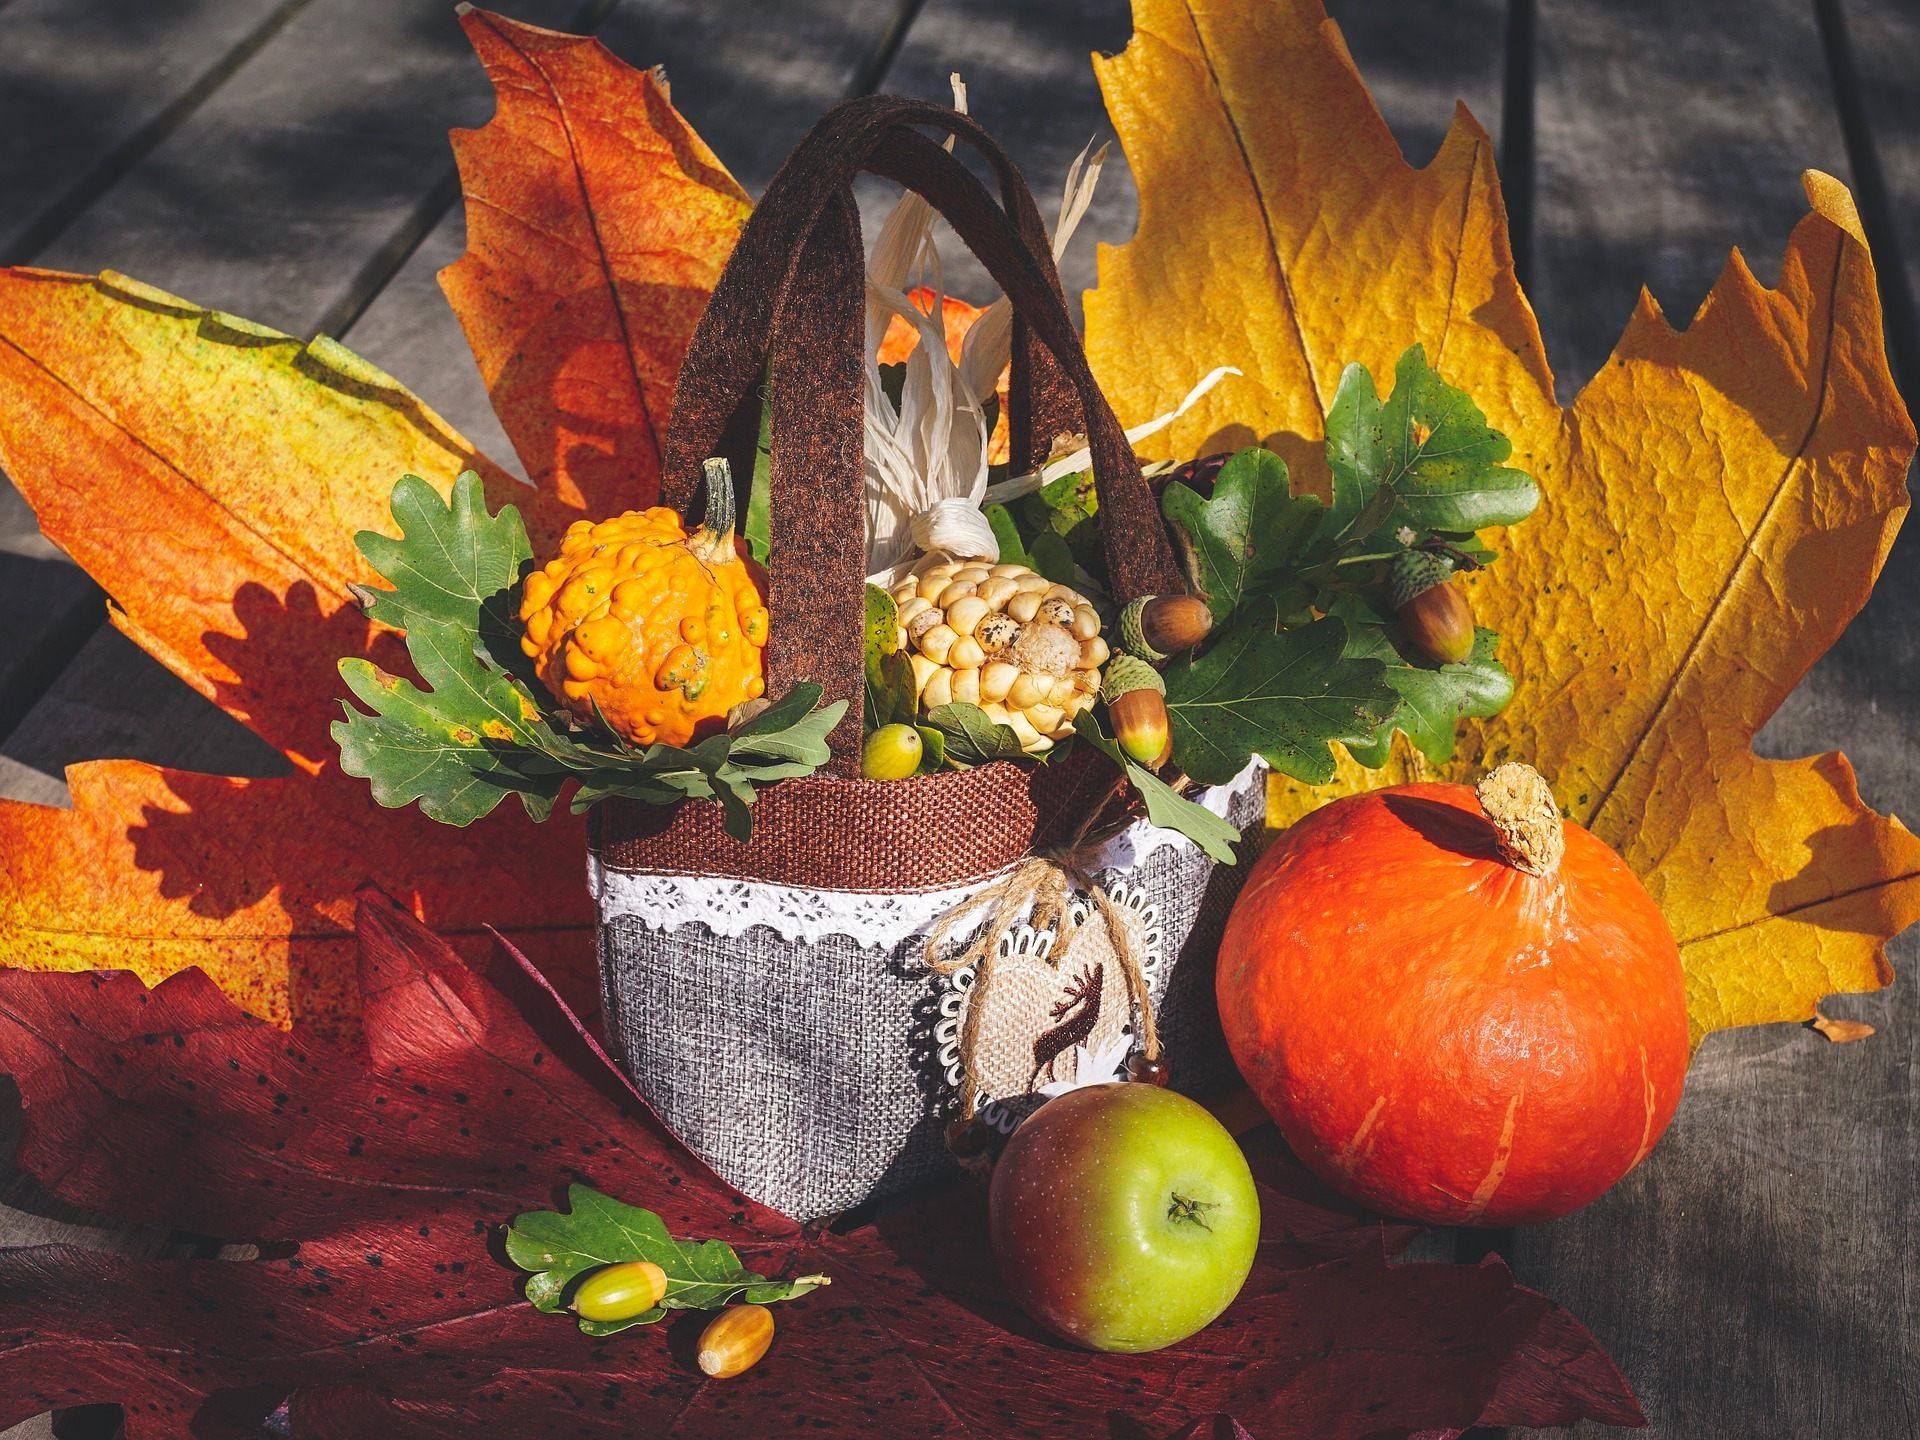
<point x="1666" y="135"/>
<point x="1755" y="1274"/>
<point x="1878" y="60"/>
<point x="87" y="86"/>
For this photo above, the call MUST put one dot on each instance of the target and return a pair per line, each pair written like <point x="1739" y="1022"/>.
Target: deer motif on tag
<point x="1056" y="1012"/>
<point x="1076" y="1014"/>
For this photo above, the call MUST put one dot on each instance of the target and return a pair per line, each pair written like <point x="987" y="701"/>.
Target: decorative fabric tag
<point x="1058" y="1009"/>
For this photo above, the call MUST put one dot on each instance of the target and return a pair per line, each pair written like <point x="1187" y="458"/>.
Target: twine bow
<point x="1035" y="891"/>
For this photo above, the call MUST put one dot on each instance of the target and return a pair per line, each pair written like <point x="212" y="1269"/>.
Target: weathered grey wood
<point x="111" y="702"/>
<point x="269" y="199"/>
<point x="1882" y="59"/>
<point x="86" y="87"/>
<point x="1030" y="80"/>
<point x="272" y="200"/>
<point x="1754" y="1276"/>
<point x="1419" y="56"/>
<point x="1666" y="134"/>
<point x="85" y="84"/>
<point x="793" y="61"/>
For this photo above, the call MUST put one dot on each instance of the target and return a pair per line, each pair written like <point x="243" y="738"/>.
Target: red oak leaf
<point x="376" y="1186"/>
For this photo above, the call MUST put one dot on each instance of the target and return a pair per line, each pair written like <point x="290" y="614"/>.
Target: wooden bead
<point x="1143" y="1071"/>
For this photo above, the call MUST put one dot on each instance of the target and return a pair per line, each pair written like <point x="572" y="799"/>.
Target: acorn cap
<point x="1133" y="637"/>
<point x="1413" y="572"/>
<point x="1126" y="673"/>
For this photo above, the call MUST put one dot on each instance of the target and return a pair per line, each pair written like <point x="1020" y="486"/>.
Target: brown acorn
<point x="1430" y="607"/>
<point x="1156" y="626"/>
<point x="736" y="1340"/>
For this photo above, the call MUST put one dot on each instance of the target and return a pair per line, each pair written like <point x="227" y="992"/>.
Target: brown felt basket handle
<point x="792" y="298"/>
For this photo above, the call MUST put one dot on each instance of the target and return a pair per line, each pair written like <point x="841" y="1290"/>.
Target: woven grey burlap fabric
<point x="805" y="1073"/>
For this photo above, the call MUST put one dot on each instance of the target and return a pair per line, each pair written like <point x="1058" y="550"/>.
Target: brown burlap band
<point x="791" y="303"/>
<point x="884" y="836"/>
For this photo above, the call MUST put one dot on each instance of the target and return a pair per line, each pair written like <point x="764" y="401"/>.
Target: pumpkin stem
<point x="716" y="525"/>
<point x="1532" y="836"/>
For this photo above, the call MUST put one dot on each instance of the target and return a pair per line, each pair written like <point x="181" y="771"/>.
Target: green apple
<point x="1123" y="1216"/>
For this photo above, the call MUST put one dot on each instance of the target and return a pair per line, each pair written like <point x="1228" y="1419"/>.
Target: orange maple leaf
<point x="597" y="224"/>
<point x="211" y="474"/>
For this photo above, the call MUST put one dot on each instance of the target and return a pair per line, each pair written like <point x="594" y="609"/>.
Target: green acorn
<point x="1136" y="702"/>
<point x="1430" y="607"/>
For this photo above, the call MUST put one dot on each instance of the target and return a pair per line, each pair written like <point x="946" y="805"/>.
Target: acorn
<point x="1430" y="607"/>
<point x="1156" y="626"/>
<point x="891" y="752"/>
<point x="1136" y="701"/>
<point x="620" y="1292"/>
<point x="736" y="1340"/>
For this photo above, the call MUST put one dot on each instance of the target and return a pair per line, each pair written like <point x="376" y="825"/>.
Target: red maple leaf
<point x="376" y="1186"/>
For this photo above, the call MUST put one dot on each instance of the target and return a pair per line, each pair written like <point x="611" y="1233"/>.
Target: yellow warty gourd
<point x="1024" y="649"/>
<point x="655" y="631"/>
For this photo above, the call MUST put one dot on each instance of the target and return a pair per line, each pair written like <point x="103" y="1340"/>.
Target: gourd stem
<point x="718" y="520"/>
<point x="1532" y="836"/>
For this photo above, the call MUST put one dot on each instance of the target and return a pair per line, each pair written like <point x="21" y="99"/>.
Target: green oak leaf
<point x="453" y="563"/>
<point x="1166" y="807"/>
<point x="1006" y="530"/>
<point x="1049" y="553"/>
<point x="556" y="1248"/>
<point x="478" y="734"/>
<point x="1245" y="537"/>
<point x="889" y="692"/>
<point x="450" y="747"/>
<point x="1434" y="698"/>
<point x="1068" y="508"/>
<point x="1280" y="694"/>
<point x="1424" y="458"/>
<point x="970" y="737"/>
<point x="787" y="739"/>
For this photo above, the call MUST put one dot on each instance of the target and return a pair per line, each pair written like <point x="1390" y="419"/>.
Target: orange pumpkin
<point x="657" y="632"/>
<point x="1459" y="1008"/>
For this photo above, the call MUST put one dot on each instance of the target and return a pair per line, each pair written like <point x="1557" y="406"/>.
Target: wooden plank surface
<point x="1877" y="77"/>
<point x="1666" y="135"/>
<point x="87" y="86"/>
<point x="1755" y="1275"/>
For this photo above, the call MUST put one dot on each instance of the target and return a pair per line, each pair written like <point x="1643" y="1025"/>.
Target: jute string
<point x="1035" y="891"/>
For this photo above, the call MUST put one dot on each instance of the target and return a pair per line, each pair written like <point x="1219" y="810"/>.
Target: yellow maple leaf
<point x="1715" y="504"/>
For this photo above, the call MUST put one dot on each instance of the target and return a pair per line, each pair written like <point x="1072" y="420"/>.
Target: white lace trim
<point x="795" y="912"/>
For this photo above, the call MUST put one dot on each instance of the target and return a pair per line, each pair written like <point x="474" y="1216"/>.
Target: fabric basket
<point x="771" y="997"/>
